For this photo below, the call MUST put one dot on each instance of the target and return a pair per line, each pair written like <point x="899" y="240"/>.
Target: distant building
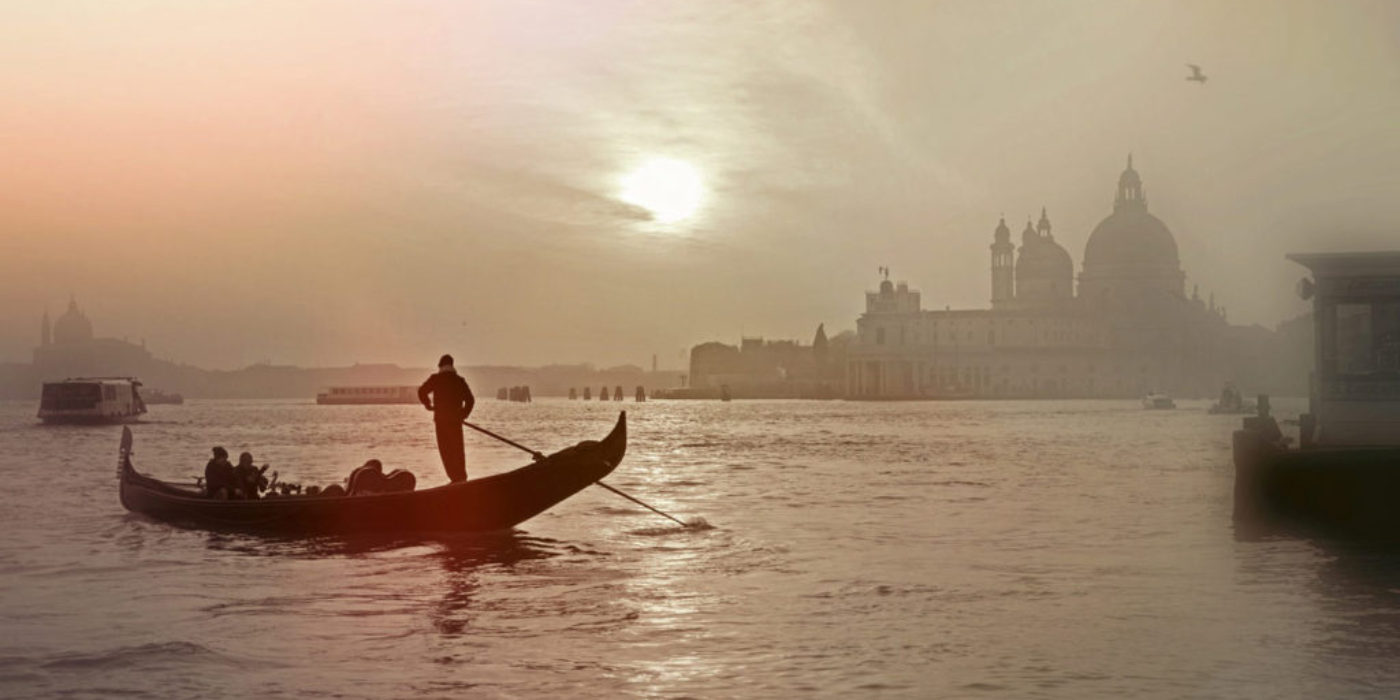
<point x="67" y="348"/>
<point x="1128" y="329"/>
<point x="759" y="368"/>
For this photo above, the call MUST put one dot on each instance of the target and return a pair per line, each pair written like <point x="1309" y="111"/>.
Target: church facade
<point x="1125" y="329"/>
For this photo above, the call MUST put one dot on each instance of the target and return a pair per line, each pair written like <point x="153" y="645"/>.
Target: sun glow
<point x="668" y="188"/>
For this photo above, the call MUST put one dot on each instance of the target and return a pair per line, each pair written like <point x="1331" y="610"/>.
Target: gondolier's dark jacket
<point x="452" y="399"/>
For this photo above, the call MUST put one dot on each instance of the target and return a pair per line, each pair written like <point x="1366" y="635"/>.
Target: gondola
<point x="488" y="504"/>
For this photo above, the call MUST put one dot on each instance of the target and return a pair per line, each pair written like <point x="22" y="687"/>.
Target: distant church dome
<point x="1044" y="269"/>
<point x="1131" y="238"/>
<point x="1131" y="247"/>
<point x="72" y="326"/>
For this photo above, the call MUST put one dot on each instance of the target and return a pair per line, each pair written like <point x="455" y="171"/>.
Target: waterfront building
<point x="758" y="368"/>
<point x="1126" y="330"/>
<point x="67" y="347"/>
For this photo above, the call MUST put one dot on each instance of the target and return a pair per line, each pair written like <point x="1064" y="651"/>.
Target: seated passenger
<point x="248" y="479"/>
<point x="218" y="475"/>
<point x="370" y="478"/>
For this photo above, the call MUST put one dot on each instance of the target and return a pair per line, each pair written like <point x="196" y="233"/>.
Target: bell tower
<point x="1003" y="263"/>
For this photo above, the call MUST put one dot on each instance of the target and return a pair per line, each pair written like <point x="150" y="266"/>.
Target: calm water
<point x="1036" y="549"/>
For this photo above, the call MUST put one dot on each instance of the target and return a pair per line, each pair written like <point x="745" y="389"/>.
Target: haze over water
<point x="1012" y="549"/>
<point x="334" y="182"/>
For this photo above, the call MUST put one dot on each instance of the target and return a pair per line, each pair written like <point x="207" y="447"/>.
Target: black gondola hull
<point x="491" y="503"/>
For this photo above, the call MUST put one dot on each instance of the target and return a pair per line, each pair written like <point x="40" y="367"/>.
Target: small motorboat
<point x="491" y="503"/>
<point x="1154" y="401"/>
<point x="1231" y="402"/>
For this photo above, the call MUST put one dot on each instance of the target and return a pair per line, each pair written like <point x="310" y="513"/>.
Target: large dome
<point x="73" y="326"/>
<point x="1131" y="237"/>
<point x="1131" y="250"/>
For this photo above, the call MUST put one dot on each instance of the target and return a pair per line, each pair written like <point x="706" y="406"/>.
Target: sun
<point x="670" y="189"/>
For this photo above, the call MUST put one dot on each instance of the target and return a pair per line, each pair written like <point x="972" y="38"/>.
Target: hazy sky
<point x="330" y="182"/>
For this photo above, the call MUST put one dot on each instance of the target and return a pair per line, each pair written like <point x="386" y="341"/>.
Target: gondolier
<point x="447" y="395"/>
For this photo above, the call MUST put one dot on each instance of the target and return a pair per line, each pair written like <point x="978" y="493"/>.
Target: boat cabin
<point x="1354" y="396"/>
<point x="91" y="400"/>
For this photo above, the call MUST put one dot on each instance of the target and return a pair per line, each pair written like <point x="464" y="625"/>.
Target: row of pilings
<point x="603" y="395"/>
<point x="520" y="394"/>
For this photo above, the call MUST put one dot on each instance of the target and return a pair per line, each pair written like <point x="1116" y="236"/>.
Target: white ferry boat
<point x="91" y="400"/>
<point x="368" y="395"/>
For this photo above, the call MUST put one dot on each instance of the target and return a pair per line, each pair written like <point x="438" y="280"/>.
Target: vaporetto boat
<point x="368" y="395"/>
<point x="91" y="400"/>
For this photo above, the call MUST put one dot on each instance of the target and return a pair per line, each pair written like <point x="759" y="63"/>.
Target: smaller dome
<point x="1045" y="255"/>
<point x="886" y="288"/>
<point x="1044" y="271"/>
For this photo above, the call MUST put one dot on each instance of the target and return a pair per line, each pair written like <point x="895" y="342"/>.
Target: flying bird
<point x="1196" y="74"/>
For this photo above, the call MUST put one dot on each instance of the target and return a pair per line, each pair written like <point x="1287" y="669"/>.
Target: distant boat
<point x="1155" y="401"/>
<point x="368" y="395"/>
<point x="156" y="396"/>
<point x="91" y="400"/>
<point x="485" y="504"/>
<point x="1231" y="402"/>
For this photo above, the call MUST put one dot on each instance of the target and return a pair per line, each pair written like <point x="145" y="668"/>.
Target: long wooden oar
<point x="533" y="453"/>
<point x="540" y="455"/>
<point x="654" y="510"/>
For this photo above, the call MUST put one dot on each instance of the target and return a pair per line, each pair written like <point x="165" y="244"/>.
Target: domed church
<point x="1128" y="328"/>
<point x="67" y="348"/>
<point x="1131" y="253"/>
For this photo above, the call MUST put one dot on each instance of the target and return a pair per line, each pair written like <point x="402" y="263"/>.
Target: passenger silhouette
<point x="218" y="475"/>
<point x="248" y="480"/>
<point x="447" y="395"/>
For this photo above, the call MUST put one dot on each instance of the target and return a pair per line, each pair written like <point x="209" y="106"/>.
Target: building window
<point x="991" y="337"/>
<point x="1353" y="339"/>
<point x="879" y="336"/>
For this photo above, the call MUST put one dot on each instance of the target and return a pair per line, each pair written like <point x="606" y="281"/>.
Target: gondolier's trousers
<point x="449" y="441"/>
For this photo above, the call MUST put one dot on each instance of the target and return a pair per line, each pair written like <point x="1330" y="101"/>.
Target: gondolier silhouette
<point x="447" y="395"/>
